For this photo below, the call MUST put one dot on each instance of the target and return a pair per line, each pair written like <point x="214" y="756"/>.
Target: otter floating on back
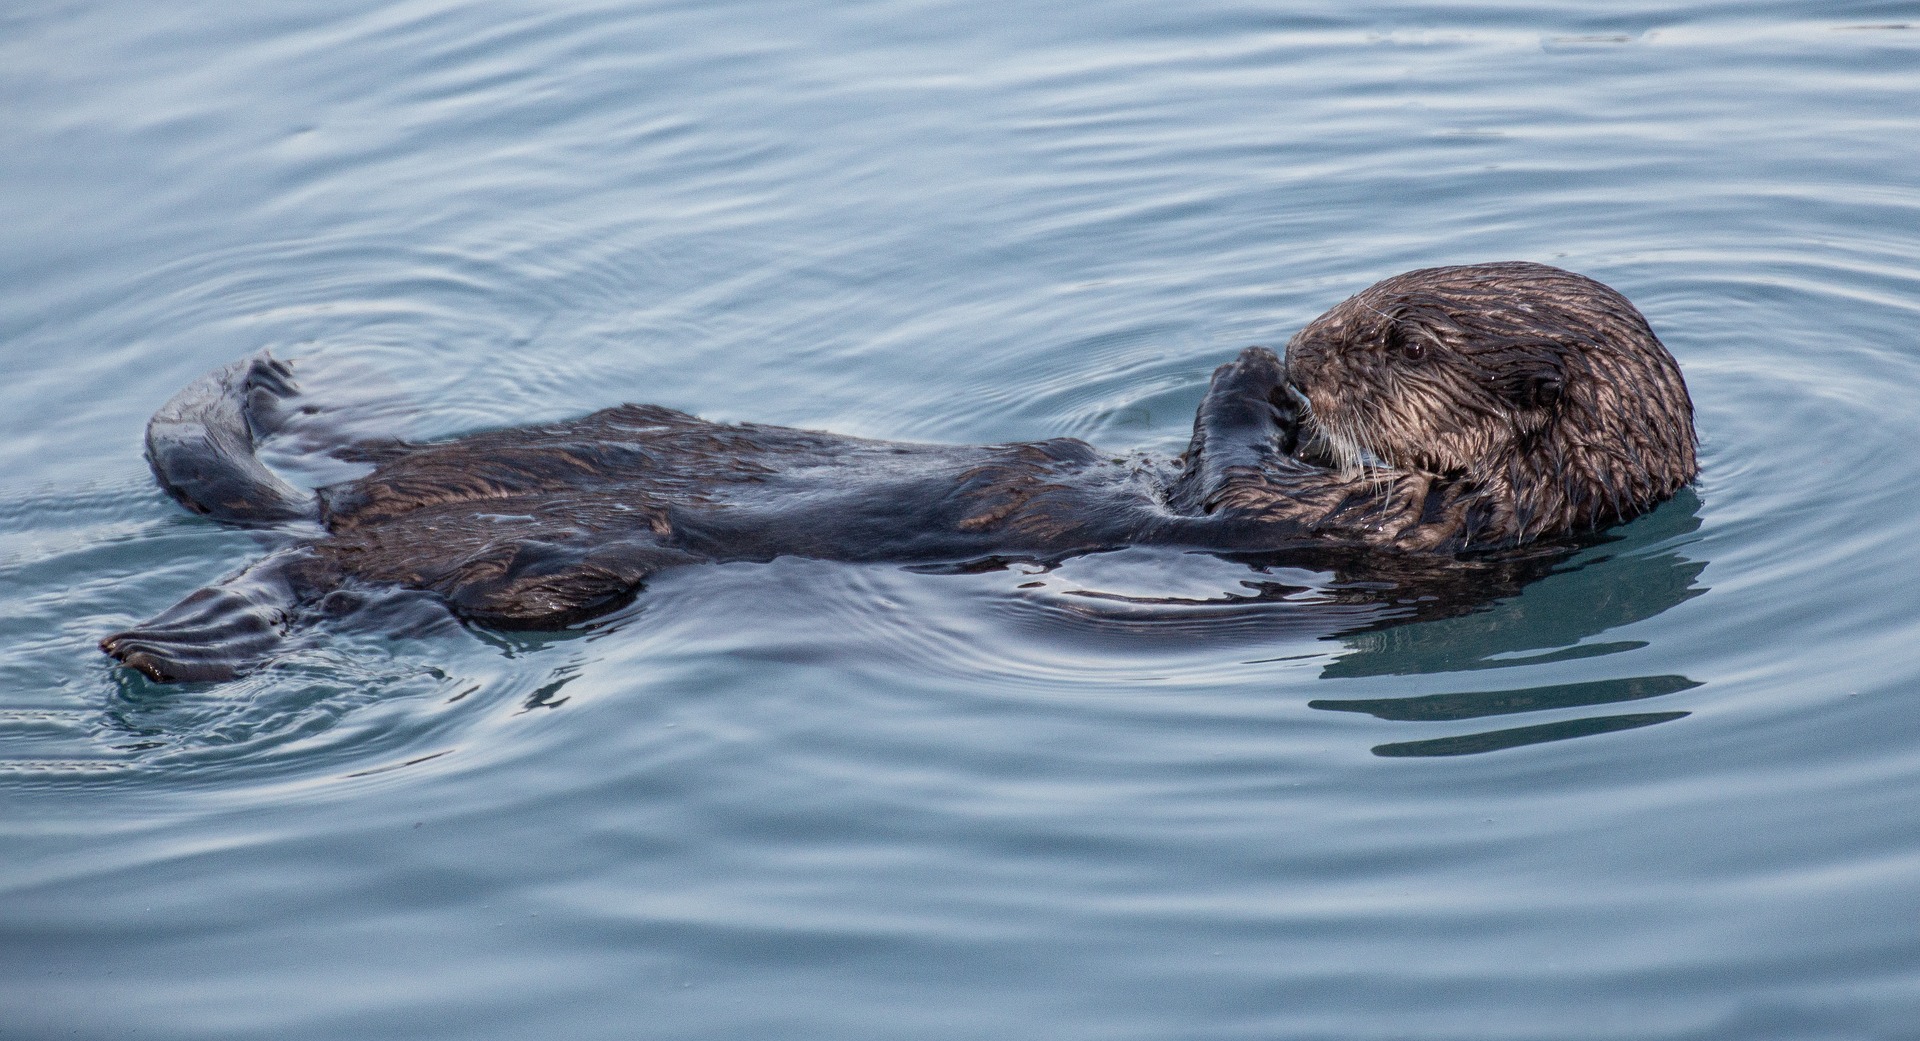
<point x="1438" y="412"/>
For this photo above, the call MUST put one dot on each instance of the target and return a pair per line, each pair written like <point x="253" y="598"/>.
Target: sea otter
<point x="1440" y="412"/>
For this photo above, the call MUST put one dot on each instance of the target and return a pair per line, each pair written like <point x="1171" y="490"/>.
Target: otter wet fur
<point x="1441" y="412"/>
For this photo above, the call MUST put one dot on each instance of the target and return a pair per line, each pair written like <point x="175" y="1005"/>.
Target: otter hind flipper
<point x="201" y="444"/>
<point x="218" y="632"/>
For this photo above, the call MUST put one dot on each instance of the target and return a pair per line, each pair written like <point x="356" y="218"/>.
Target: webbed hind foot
<point x="202" y="444"/>
<point x="216" y="633"/>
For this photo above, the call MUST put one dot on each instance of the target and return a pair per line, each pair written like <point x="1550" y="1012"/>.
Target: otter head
<point x="1541" y="393"/>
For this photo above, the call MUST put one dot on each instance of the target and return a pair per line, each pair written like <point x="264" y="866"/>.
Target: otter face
<point x="1540" y="385"/>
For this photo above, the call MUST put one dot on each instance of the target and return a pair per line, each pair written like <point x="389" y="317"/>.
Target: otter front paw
<point x="1248" y="396"/>
<point x="1254" y="373"/>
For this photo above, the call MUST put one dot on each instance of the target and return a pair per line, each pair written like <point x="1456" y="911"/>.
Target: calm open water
<point x="1670" y="792"/>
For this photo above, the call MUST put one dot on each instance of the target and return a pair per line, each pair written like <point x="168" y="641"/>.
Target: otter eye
<point x="1406" y="346"/>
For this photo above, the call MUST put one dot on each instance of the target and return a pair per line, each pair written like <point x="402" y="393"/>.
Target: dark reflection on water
<point x="1498" y="740"/>
<point x="1588" y="594"/>
<point x="1474" y="704"/>
<point x="548" y="695"/>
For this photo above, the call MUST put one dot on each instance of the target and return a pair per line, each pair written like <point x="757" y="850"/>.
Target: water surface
<point x="1665" y="792"/>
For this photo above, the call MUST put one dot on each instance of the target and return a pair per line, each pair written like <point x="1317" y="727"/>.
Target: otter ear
<point x="1534" y="381"/>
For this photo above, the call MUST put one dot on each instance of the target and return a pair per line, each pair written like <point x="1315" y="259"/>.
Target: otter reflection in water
<point x="1440" y="412"/>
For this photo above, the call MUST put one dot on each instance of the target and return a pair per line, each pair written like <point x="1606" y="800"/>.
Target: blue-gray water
<point x="1669" y="793"/>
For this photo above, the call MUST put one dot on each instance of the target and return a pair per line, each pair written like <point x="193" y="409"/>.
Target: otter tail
<point x="202" y="444"/>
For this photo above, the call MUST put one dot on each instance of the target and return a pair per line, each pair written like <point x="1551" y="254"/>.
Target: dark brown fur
<point x="1440" y="411"/>
<point x="1507" y="401"/>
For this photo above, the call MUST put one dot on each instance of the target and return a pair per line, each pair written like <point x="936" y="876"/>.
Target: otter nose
<point x="1304" y="347"/>
<point x="1301" y="361"/>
